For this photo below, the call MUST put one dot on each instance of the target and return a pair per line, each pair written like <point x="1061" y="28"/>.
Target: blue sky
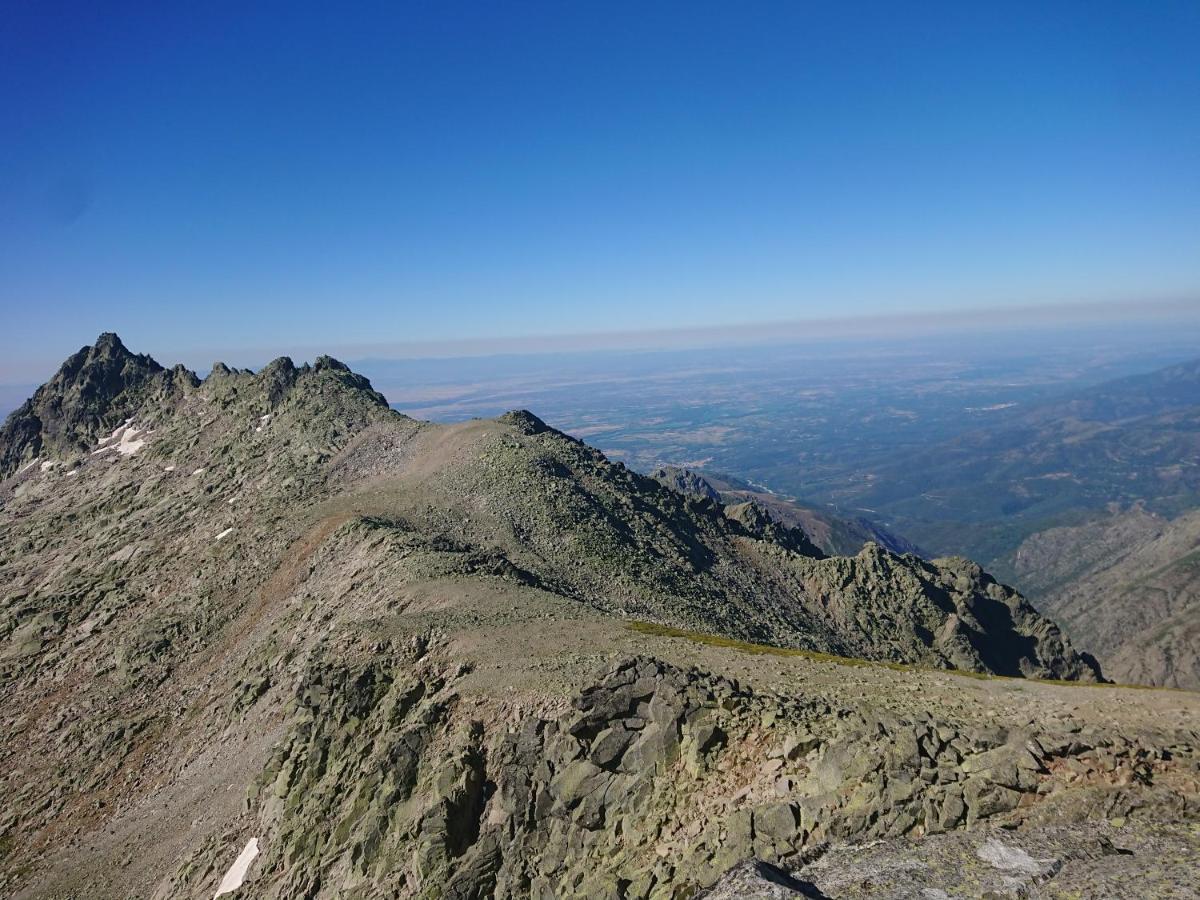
<point x="207" y="176"/>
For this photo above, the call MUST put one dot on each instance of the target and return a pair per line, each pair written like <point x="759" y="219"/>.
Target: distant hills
<point x="1135" y="439"/>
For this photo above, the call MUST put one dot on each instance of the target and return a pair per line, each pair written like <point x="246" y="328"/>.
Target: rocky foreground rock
<point x="655" y="780"/>
<point x="265" y="633"/>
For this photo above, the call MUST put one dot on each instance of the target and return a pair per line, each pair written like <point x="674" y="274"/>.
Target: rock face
<point x="402" y="659"/>
<point x="656" y="781"/>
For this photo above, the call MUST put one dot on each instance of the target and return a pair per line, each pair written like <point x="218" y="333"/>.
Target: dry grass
<point x="712" y="640"/>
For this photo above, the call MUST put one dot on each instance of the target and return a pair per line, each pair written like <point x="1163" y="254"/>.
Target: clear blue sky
<point x="209" y="176"/>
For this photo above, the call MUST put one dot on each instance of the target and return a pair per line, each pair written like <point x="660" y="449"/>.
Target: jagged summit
<point x="93" y="390"/>
<point x="103" y="385"/>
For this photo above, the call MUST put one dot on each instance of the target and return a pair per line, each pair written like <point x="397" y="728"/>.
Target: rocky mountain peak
<point x="91" y="392"/>
<point x="110" y="342"/>
<point x="525" y="421"/>
<point x="328" y="362"/>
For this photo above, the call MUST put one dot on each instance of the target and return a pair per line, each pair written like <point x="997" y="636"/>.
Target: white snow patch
<point x="28" y="465"/>
<point x="237" y="872"/>
<point x="225" y="533"/>
<point x="1012" y="859"/>
<point x="73" y="472"/>
<point x="992" y="408"/>
<point x="169" y="469"/>
<point x="198" y="471"/>
<point x="231" y="501"/>
<point x="127" y="440"/>
<point x="262" y="421"/>
<point x="48" y="465"/>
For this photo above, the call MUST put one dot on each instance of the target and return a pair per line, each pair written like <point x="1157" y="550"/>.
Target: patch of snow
<point x="73" y="472"/>
<point x="28" y="465"/>
<point x="125" y="554"/>
<point x="237" y="872"/>
<point x="169" y="469"/>
<point x="127" y="440"/>
<point x="198" y="471"/>
<point x="231" y="501"/>
<point x="48" y="465"/>
<point x="1012" y="859"/>
<point x="262" y="421"/>
<point x="992" y="408"/>
<point x="226" y="532"/>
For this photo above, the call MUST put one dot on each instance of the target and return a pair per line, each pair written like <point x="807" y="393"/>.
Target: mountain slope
<point x="1127" y="587"/>
<point x="397" y="659"/>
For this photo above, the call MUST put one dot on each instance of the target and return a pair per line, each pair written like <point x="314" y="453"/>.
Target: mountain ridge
<point x="1126" y="586"/>
<point x="690" y="550"/>
<point x="397" y="657"/>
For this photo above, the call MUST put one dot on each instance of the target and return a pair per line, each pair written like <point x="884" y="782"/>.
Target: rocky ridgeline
<point x="655" y="784"/>
<point x="93" y="391"/>
<point x="290" y="437"/>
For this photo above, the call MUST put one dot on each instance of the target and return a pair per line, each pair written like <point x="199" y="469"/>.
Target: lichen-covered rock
<point x="757" y="880"/>
<point x="382" y="786"/>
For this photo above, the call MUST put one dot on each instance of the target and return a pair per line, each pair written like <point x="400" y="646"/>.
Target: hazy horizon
<point x="23" y="371"/>
<point x="216" y="182"/>
<point x="1165" y="330"/>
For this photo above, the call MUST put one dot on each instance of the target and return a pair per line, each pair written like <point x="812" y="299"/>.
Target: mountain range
<point x="262" y="635"/>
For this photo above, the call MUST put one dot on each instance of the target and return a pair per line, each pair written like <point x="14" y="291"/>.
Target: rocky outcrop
<point x="657" y="781"/>
<point x="685" y="481"/>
